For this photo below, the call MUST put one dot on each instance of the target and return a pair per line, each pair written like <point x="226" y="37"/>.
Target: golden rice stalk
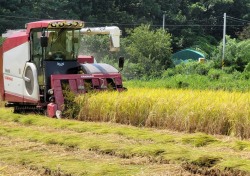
<point x="214" y="112"/>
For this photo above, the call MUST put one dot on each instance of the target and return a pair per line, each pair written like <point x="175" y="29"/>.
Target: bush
<point x="247" y="68"/>
<point x="245" y="75"/>
<point x="215" y="74"/>
<point x="181" y="84"/>
<point x="70" y="108"/>
<point x="190" y="67"/>
<point x="168" y="73"/>
<point x="236" y="75"/>
<point x="229" y="70"/>
<point x="202" y="69"/>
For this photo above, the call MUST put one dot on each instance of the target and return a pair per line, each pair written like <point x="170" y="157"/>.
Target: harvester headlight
<point x="81" y="24"/>
<point x="50" y="91"/>
<point x="69" y="24"/>
<point x="61" y="24"/>
<point x="53" y="24"/>
<point x="75" y="24"/>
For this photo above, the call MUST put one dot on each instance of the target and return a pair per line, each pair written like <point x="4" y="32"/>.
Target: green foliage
<point x="199" y="140"/>
<point x="241" y="145"/>
<point x="236" y="55"/>
<point x="215" y="74"/>
<point x="130" y="13"/>
<point x="70" y="108"/>
<point x="192" y="24"/>
<point x="215" y="80"/>
<point x="230" y="53"/>
<point x="148" y="50"/>
<point x="245" y="75"/>
<point x="205" y="45"/>
<point x="188" y="68"/>
<point x="1" y="40"/>
<point x="245" y="33"/>
<point x="243" y="54"/>
<point x="247" y="68"/>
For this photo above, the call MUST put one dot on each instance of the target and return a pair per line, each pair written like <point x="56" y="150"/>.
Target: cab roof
<point x="54" y="24"/>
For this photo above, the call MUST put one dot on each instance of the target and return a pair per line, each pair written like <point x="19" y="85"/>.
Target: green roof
<point x="187" y="54"/>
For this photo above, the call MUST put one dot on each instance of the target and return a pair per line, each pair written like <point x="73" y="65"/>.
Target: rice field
<point x="37" y="145"/>
<point x="212" y="112"/>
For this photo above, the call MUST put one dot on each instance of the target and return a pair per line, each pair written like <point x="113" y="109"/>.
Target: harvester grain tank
<point x="39" y="62"/>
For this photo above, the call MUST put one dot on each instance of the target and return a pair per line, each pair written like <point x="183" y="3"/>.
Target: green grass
<point x="64" y="162"/>
<point x="199" y="140"/>
<point x="118" y="141"/>
<point x="93" y="127"/>
<point x="193" y="81"/>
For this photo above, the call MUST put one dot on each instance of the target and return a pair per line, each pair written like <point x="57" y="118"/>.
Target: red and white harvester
<point x="36" y="63"/>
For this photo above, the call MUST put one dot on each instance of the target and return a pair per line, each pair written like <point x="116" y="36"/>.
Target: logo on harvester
<point x="60" y="64"/>
<point x="8" y="78"/>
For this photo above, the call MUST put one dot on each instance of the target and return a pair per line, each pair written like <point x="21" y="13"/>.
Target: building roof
<point x="187" y="54"/>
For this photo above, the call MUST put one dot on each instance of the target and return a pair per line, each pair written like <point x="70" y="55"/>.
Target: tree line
<point x="196" y="24"/>
<point x="184" y="19"/>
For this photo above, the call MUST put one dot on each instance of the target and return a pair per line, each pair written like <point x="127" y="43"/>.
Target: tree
<point x="243" y="54"/>
<point x="236" y="54"/>
<point x="148" y="51"/>
<point x="245" y="34"/>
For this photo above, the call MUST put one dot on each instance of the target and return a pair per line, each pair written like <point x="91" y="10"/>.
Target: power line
<point x="167" y="25"/>
<point x="20" y="17"/>
<point x="237" y="19"/>
<point x="153" y="25"/>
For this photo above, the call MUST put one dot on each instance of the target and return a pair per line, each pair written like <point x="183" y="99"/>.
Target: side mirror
<point x="44" y="41"/>
<point x="121" y="62"/>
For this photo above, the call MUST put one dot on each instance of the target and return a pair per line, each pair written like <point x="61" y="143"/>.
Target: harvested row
<point x="86" y="148"/>
<point x="213" y="112"/>
<point x="46" y="150"/>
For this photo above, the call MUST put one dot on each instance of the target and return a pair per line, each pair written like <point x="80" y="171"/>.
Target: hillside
<point x="37" y="145"/>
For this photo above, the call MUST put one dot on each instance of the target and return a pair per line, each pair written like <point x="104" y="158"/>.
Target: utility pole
<point x="163" y="21"/>
<point x="224" y="40"/>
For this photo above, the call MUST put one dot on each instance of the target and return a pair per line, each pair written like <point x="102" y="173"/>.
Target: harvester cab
<point x="37" y="63"/>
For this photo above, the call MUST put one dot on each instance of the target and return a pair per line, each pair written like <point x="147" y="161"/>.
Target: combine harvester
<point x="37" y="63"/>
